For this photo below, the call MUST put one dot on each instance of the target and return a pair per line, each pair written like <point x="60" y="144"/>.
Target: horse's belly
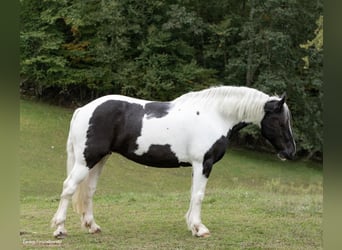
<point x="158" y="156"/>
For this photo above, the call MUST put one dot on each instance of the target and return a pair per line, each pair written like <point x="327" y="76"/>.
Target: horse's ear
<point x="281" y="102"/>
<point x="276" y="106"/>
<point x="282" y="99"/>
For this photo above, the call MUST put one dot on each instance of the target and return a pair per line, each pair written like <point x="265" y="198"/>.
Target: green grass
<point x="253" y="200"/>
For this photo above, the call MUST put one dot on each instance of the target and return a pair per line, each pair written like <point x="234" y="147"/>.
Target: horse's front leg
<point x="193" y="216"/>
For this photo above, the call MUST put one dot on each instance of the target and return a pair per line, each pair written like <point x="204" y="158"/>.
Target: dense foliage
<point x="74" y="51"/>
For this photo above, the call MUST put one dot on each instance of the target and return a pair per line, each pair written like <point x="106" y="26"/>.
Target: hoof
<point x="59" y="234"/>
<point x="95" y="230"/>
<point x="200" y="231"/>
<point x="205" y="235"/>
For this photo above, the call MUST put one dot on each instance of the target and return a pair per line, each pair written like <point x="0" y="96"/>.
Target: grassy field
<point x="253" y="200"/>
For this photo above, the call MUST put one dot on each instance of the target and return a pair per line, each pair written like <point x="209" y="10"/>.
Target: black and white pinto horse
<point x="192" y="130"/>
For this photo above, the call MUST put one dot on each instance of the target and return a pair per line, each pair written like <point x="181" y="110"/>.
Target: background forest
<point x="75" y="51"/>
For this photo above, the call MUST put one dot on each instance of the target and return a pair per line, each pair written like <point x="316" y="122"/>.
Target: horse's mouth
<point x="281" y="157"/>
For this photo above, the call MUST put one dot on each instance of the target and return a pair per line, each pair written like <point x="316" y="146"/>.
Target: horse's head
<point x="276" y="128"/>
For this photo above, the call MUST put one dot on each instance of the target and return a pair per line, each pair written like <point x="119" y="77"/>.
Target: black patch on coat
<point x="218" y="149"/>
<point x="159" y="156"/>
<point x="115" y="126"/>
<point x="236" y="129"/>
<point x="157" y="109"/>
<point x="214" y="154"/>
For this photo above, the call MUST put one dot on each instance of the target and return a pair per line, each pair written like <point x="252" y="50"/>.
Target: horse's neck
<point x="233" y="104"/>
<point x="243" y="109"/>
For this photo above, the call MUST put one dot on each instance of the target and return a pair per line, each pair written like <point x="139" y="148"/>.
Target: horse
<point x="191" y="130"/>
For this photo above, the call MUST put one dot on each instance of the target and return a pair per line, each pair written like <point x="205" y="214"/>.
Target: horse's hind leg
<point x="78" y="173"/>
<point x="83" y="197"/>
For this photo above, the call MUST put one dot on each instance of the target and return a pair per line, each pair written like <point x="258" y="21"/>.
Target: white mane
<point x="240" y="103"/>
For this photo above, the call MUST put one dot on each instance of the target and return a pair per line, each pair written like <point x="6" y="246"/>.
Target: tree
<point x="312" y="98"/>
<point x="316" y="42"/>
<point x="75" y="51"/>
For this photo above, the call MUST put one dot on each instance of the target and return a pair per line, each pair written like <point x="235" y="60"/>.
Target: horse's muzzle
<point x="284" y="155"/>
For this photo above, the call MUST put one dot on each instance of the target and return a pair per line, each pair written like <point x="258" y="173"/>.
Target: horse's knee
<point x="198" y="197"/>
